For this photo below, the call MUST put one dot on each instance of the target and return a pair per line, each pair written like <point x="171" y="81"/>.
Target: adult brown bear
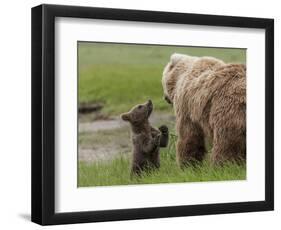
<point x="209" y="99"/>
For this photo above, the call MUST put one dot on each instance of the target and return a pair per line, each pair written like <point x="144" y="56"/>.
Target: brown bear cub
<point x="146" y="139"/>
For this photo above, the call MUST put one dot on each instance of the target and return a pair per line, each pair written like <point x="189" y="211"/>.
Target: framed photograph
<point x="141" y="114"/>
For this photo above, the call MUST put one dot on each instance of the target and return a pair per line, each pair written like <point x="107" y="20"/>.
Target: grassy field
<point x="120" y="76"/>
<point x="117" y="172"/>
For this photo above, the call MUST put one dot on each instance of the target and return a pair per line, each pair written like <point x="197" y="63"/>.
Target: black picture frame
<point x="43" y="114"/>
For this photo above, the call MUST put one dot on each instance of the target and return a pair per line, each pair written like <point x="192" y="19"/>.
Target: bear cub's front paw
<point x="164" y="129"/>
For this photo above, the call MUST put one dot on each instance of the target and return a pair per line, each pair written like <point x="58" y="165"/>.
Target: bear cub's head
<point x="139" y="113"/>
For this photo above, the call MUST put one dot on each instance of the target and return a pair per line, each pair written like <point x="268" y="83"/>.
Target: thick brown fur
<point x="209" y="99"/>
<point x="146" y="139"/>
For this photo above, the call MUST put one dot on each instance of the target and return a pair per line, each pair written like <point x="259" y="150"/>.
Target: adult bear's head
<point x="182" y="66"/>
<point x="179" y="64"/>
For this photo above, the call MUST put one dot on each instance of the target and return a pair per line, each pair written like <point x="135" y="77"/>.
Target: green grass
<point x="117" y="171"/>
<point x="120" y="76"/>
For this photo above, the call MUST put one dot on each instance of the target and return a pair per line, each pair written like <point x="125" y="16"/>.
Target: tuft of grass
<point x="117" y="171"/>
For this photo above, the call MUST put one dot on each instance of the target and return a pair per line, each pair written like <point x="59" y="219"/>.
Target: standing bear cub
<point x="146" y="139"/>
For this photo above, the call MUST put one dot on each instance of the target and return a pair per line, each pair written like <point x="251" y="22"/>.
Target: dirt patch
<point x="103" y="154"/>
<point x="101" y="125"/>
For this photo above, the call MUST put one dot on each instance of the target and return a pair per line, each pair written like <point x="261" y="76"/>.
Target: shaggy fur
<point x="209" y="98"/>
<point x="146" y="139"/>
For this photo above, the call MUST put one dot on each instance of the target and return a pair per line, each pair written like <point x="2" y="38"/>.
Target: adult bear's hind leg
<point x="190" y="145"/>
<point x="229" y="145"/>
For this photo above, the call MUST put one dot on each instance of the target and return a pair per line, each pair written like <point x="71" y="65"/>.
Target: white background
<point x="71" y="199"/>
<point x="15" y="115"/>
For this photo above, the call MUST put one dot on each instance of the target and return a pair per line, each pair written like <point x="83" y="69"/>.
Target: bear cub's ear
<point x="125" y="117"/>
